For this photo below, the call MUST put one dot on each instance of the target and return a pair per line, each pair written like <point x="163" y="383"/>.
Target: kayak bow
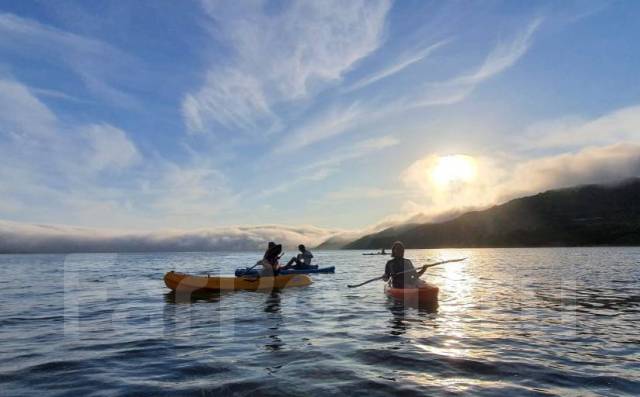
<point x="425" y="294"/>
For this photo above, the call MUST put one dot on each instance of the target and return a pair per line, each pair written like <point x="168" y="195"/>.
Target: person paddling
<point x="270" y="246"/>
<point x="269" y="261"/>
<point x="398" y="264"/>
<point x="302" y="260"/>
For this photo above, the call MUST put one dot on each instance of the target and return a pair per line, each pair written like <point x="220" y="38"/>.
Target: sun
<point x="453" y="169"/>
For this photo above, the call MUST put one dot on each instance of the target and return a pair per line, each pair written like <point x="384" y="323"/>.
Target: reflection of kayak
<point x="312" y="269"/>
<point x="375" y="253"/>
<point x="185" y="283"/>
<point x="425" y="294"/>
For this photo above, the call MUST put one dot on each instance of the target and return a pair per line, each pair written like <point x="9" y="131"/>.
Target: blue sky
<point x="150" y="115"/>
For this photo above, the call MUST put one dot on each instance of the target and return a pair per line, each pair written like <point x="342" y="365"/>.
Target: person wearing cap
<point x="398" y="264"/>
<point x="302" y="260"/>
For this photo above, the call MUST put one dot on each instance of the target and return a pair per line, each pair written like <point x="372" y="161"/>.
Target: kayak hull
<point x="187" y="283"/>
<point x="313" y="270"/>
<point x="425" y="294"/>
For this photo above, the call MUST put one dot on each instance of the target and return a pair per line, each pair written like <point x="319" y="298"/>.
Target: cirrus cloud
<point x="99" y="65"/>
<point x="279" y="55"/>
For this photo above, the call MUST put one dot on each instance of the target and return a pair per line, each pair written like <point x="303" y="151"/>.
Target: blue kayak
<point x="312" y="269"/>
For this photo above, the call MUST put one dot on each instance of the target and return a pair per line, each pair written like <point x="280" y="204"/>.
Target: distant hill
<point x="341" y="240"/>
<point x="334" y="243"/>
<point x="579" y="216"/>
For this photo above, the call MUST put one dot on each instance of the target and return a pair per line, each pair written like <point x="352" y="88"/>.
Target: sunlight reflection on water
<point x="510" y="321"/>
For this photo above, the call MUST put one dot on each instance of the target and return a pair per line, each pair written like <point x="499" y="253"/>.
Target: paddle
<point x="408" y="271"/>
<point x="260" y="261"/>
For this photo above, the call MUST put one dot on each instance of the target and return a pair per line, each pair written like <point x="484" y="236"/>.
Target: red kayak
<point x="425" y="294"/>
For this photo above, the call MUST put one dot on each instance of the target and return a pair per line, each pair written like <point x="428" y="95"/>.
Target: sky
<point x="253" y="118"/>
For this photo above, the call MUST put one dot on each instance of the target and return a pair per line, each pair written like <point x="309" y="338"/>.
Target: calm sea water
<point x="510" y="322"/>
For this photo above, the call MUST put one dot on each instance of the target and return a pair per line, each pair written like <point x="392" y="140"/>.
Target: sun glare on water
<point x="453" y="169"/>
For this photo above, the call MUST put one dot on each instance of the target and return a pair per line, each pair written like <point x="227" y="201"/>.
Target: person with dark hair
<point x="270" y="246"/>
<point x="270" y="259"/>
<point x="398" y="264"/>
<point x="302" y="260"/>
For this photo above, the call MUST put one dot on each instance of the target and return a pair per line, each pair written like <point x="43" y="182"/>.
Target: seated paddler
<point x="400" y="270"/>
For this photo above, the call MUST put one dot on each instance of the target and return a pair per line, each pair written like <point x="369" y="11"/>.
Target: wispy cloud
<point x="404" y="62"/>
<point x="95" y="172"/>
<point x="190" y="194"/>
<point x="354" y="151"/>
<point x="283" y="73"/>
<point x="279" y="55"/>
<point x="362" y="193"/>
<point x="342" y="119"/>
<point x="335" y="121"/>
<point x="44" y="92"/>
<point x="93" y="61"/>
<point x="43" y="159"/>
<point x="321" y="169"/>
<point x="314" y="175"/>
<point x="503" y="56"/>
<point x="38" y="140"/>
<point x="574" y="131"/>
<point x="231" y="98"/>
<point x="21" y="113"/>
<point x="110" y="148"/>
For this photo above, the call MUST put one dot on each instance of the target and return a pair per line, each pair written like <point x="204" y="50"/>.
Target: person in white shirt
<point x="302" y="260"/>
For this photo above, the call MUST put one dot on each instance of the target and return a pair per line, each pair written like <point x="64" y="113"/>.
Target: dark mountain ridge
<point x="586" y="215"/>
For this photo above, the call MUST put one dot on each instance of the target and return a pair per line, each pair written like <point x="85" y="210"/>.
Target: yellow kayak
<point x="183" y="282"/>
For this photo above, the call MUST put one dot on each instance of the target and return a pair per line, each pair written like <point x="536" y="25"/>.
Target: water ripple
<point x="526" y="322"/>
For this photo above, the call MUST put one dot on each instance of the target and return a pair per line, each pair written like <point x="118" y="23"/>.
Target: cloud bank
<point x="501" y="179"/>
<point x="497" y="182"/>
<point x="30" y="238"/>
<point x="620" y="125"/>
